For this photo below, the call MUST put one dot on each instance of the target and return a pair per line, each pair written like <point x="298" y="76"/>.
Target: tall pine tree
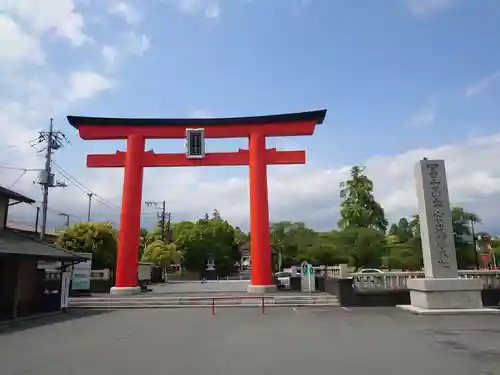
<point x="358" y="208"/>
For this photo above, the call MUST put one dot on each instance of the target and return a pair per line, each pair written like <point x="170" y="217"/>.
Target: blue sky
<point x="396" y="76"/>
<point x="374" y="65"/>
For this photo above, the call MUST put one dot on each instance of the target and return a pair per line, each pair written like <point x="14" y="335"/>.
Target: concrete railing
<point x="340" y="270"/>
<point x="397" y="280"/>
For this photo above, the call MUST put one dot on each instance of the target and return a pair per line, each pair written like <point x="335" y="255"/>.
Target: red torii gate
<point x="136" y="131"/>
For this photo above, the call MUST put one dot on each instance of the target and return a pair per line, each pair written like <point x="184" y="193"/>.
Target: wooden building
<point x="24" y="288"/>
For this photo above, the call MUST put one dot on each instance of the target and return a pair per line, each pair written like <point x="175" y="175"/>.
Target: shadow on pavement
<point x="44" y="320"/>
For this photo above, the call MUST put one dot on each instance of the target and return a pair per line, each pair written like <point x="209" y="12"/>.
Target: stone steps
<point x="131" y="302"/>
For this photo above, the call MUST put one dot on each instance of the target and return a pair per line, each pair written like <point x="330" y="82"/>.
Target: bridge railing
<point x="398" y="280"/>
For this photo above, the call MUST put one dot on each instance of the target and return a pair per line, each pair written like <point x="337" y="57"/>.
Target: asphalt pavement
<point x="243" y="341"/>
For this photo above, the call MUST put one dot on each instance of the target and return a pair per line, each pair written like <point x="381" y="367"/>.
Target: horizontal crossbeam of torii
<point x="151" y="159"/>
<point x="135" y="158"/>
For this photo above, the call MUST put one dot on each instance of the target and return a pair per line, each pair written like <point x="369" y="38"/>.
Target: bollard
<point x="263" y="308"/>
<point x="213" y="306"/>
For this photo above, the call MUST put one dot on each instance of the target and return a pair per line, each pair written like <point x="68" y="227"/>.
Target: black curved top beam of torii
<point x="318" y="116"/>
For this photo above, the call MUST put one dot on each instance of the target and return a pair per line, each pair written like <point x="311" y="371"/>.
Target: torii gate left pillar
<point x="136" y="131"/>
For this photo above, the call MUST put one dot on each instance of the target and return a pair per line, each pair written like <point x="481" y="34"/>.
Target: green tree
<point x="404" y="246"/>
<point x="144" y="240"/>
<point x="364" y="246"/>
<point x="462" y="234"/>
<point x="292" y="242"/>
<point x="162" y="254"/>
<point x="210" y="237"/>
<point x="358" y="208"/>
<point x="100" y="239"/>
<point x="328" y="249"/>
<point x="402" y="230"/>
<point x="240" y="236"/>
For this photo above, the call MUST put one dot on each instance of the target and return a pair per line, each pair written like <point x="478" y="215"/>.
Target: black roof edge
<point x="318" y="116"/>
<point x="15" y="196"/>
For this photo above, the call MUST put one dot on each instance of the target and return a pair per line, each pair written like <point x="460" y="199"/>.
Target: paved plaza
<point x="243" y="341"/>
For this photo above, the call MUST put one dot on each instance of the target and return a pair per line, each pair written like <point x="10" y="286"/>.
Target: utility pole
<point x="53" y="140"/>
<point x="37" y="217"/>
<point x="90" y="205"/>
<point x="67" y="218"/>
<point x="160" y="216"/>
<point x="163" y="221"/>
<point x="169" y="232"/>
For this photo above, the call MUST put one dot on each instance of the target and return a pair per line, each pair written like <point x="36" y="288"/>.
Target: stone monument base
<point x="446" y="296"/>
<point x="125" y="291"/>
<point x="261" y="289"/>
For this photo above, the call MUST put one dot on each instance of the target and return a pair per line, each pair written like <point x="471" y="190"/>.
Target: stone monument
<point x="441" y="290"/>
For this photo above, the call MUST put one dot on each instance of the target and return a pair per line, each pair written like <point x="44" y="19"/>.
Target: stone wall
<point x="348" y="295"/>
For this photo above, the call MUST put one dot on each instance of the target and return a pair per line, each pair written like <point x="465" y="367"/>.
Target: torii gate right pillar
<point x="260" y="247"/>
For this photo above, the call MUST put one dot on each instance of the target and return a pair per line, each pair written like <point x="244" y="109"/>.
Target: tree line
<point x="363" y="238"/>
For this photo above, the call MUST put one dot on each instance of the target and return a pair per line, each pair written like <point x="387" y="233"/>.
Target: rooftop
<point x="14" y="243"/>
<point x="15" y="196"/>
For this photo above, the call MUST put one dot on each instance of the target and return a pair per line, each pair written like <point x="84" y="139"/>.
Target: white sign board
<point x="438" y="244"/>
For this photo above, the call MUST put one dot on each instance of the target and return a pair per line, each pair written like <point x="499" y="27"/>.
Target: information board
<point x="80" y="279"/>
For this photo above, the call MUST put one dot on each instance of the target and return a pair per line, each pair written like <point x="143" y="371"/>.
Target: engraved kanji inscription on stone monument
<point x="436" y="229"/>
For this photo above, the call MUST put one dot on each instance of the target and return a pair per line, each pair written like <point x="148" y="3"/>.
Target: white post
<point x="343" y="270"/>
<point x="309" y="280"/>
<point x="65" y="287"/>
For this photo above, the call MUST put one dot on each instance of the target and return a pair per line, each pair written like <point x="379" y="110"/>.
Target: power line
<point x="84" y="188"/>
<point x="12" y="168"/>
<point x="92" y="195"/>
<point x="17" y="180"/>
<point x="22" y="170"/>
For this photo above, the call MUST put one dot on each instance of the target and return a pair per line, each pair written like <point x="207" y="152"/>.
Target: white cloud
<point x="130" y="43"/>
<point x="33" y="89"/>
<point x="17" y="46"/>
<point x="86" y="84"/>
<point x="482" y="85"/>
<point x="208" y="8"/>
<point x="309" y="192"/>
<point x="42" y="16"/>
<point x="424" y="8"/>
<point x="425" y="115"/>
<point x="200" y="113"/>
<point x="135" y="44"/>
<point x="109" y="54"/>
<point x="129" y="13"/>
<point x="306" y="192"/>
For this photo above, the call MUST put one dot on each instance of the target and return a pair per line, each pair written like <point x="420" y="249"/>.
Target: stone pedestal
<point x="124" y="291"/>
<point x="261" y="289"/>
<point x="446" y="296"/>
